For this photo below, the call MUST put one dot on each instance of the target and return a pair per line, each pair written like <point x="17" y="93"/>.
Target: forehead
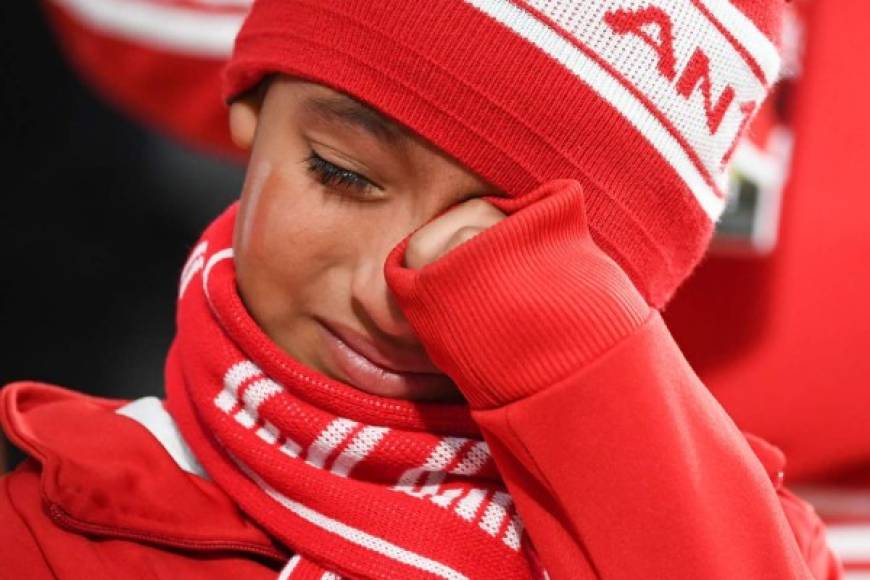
<point x="332" y="107"/>
<point x="342" y="110"/>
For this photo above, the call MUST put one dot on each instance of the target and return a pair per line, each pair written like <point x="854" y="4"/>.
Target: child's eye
<point x="332" y="175"/>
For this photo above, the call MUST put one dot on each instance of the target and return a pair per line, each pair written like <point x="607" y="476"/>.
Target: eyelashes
<point x="337" y="177"/>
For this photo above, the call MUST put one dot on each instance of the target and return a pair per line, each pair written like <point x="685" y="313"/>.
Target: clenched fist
<point x="455" y="226"/>
<point x="522" y="307"/>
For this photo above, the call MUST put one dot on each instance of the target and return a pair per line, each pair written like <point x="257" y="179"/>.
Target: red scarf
<point x="354" y="484"/>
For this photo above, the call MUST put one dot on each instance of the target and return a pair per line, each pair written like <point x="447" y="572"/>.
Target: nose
<point x="373" y="302"/>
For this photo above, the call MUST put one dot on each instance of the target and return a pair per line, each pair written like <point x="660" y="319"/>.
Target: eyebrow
<point x="348" y="112"/>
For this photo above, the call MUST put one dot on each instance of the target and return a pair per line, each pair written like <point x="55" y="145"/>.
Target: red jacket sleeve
<point x="621" y="463"/>
<point x="631" y="469"/>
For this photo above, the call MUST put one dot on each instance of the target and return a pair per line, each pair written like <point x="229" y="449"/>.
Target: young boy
<point x="425" y="344"/>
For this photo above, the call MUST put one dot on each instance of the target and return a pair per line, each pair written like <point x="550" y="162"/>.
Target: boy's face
<point x="331" y="188"/>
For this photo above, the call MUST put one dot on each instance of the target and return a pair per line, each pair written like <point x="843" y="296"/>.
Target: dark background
<point x="97" y="218"/>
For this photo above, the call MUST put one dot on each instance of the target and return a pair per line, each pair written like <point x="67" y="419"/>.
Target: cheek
<point x="287" y="251"/>
<point x="300" y="251"/>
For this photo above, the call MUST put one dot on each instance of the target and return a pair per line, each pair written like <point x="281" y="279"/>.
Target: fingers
<point x="449" y="230"/>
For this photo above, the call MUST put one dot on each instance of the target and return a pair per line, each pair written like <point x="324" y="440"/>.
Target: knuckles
<point x="462" y="235"/>
<point x="417" y="254"/>
<point x="451" y="229"/>
<point x="477" y="206"/>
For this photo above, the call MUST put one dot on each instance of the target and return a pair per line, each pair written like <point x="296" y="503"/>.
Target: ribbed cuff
<point x="522" y="305"/>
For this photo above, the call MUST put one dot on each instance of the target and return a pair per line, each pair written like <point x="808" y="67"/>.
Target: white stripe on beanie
<point x="652" y="62"/>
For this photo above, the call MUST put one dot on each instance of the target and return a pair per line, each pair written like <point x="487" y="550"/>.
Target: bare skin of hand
<point x="455" y="226"/>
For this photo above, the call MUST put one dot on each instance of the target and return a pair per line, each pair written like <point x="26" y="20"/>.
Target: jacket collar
<point x="117" y="470"/>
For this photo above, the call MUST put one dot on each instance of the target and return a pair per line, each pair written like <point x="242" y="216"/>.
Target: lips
<point x="379" y="371"/>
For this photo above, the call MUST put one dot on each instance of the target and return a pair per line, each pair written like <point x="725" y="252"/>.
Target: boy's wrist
<point x="523" y="304"/>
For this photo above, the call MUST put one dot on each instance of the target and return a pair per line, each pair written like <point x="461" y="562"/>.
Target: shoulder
<point x="36" y="418"/>
<point x="105" y="493"/>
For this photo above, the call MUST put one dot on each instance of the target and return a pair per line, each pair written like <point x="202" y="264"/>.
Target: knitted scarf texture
<point x="354" y="485"/>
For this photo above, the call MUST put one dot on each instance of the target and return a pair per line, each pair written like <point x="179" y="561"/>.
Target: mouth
<point x="363" y="365"/>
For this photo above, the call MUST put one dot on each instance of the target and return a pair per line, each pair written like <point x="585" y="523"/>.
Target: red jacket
<point x="644" y="478"/>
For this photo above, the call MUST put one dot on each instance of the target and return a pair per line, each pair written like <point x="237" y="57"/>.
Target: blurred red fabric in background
<point x="141" y="63"/>
<point x="784" y="341"/>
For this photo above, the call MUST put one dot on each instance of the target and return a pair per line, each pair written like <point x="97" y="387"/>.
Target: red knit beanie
<point x="640" y="101"/>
